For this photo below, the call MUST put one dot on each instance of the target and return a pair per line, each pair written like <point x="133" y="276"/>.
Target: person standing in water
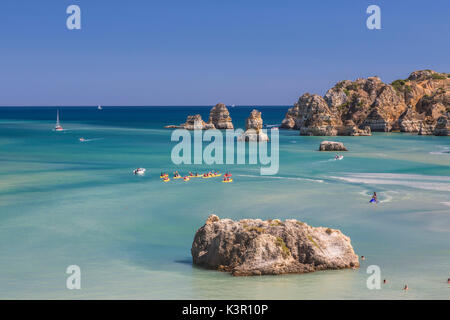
<point x="374" y="198"/>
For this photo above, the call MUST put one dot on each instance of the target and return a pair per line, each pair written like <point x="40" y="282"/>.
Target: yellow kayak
<point x="178" y="177"/>
<point x="166" y="180"/>
<point x="227" y="181"/>
<point x="186" y="179"/>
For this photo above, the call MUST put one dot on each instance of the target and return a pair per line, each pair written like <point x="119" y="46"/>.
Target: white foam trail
<point x="407" y="180"/>
<point x="401" y="176"/>
<point x="328" y="160"/>
<point x="446" y="203"/>
<point x="388" y="198"/>
<point x="445" y="150"/>
<point x="283" y="178"/>
<point x="93" y="139"/>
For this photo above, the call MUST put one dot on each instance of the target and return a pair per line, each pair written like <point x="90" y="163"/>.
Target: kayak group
<point x="211" y="174"/>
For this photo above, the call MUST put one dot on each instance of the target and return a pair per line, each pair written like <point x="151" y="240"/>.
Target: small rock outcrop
<point x="442" y="127"/>
<point x="255" y="247"/>
<point x="254" y="125"/>
<point x="405" y="105"/>
<point x="194" y="122"/>
<point x="219" y="116"/>
<point x="332" y="146"/>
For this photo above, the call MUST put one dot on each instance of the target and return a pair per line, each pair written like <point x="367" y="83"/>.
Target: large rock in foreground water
<point x="332" y="146"/>
<point x="256" y="247"/>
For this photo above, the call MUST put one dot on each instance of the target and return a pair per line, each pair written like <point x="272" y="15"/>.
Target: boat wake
<point x="436" y="183"/>
<point x="329" y="160"/>
<point x="444" y="150"/>
<point x="89" y="140"/>
<point x="282" y="178"/>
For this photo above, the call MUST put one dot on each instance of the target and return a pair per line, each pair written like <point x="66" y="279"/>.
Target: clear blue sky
<point x="199" y="52"/>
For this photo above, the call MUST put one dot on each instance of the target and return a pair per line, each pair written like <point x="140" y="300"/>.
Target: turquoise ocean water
<point x="65" y="202"/>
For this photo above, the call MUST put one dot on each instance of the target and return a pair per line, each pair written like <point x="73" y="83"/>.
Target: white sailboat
<point x="99" y="108"/>
<point x="58" y="126"/>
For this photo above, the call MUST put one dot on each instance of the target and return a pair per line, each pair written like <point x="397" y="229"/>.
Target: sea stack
<point x="219" y="117"/>
<point x="254" y="125"/>
<point x="255" y="247"/>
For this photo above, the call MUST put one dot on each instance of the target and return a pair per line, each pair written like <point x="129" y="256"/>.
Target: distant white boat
<point x="139" y="171"/>
<point x="58" y="126"/>
<point x="99" y="108"/>
<point x="232" y="105"/>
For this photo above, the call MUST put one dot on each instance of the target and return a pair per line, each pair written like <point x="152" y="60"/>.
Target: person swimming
<point x="384" y="281"/>
<point x="363" y="258"/>
<point x="406" y="287"/>
<point x="374" y="198"/>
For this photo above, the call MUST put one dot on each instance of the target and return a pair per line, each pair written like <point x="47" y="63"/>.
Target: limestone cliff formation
<point x="219" y="116"/>
<point x="359" y="107"/>
<point x="256" y="247"/>
<point x="254" y="125"/>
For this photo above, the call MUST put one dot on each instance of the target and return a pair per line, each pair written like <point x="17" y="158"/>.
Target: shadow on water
<point x="185" y="261"/>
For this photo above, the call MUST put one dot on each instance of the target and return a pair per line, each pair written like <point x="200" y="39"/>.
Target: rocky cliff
<point x="256" y="247"/>
<point x="358" y="107"/>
